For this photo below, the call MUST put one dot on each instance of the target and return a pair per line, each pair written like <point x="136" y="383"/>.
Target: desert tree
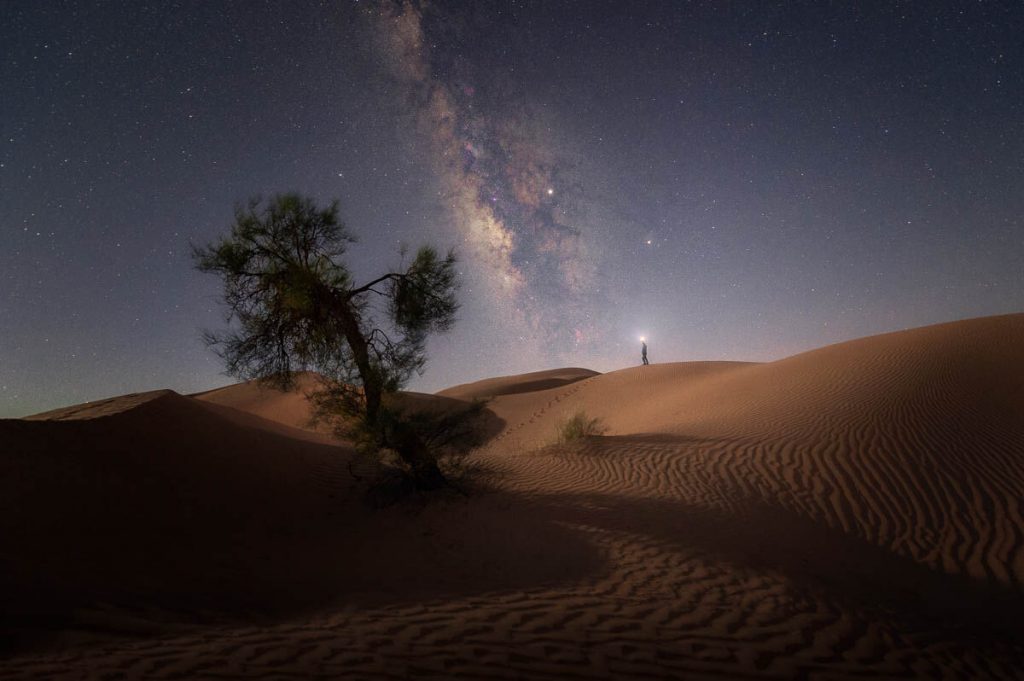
<point x="295" y="307"/>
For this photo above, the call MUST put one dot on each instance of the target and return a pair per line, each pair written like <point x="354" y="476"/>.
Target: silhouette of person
<point x="643" y="352"/>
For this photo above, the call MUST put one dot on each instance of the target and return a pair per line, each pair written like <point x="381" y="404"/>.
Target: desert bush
<point x="577" y="427"/>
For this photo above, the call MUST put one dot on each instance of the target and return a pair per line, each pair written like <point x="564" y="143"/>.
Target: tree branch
<point x="369" y="287"/>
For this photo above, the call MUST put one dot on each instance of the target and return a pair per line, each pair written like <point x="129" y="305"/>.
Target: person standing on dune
<point x="643" y="351"/>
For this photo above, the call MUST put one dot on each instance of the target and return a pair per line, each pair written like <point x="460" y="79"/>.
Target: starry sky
<point x="731" y="180"/>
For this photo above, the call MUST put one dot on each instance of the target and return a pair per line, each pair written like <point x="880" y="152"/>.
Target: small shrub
<point x="577" y="427"/>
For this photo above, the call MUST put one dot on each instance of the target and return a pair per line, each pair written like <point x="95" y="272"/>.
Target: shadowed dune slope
<point x="155" y="497"/>
<point x="166" y="502"/>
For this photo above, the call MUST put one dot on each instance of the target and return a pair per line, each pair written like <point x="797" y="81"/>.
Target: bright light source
<point x="551" y="192"/>
<point x="643" y="339"/>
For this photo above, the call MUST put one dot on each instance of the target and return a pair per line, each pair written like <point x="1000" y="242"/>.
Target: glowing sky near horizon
<point x="729" y="180"/>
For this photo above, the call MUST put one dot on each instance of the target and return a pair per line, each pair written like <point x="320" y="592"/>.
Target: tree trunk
<point x="360" y="353"/>
<point x="409" y="446"/>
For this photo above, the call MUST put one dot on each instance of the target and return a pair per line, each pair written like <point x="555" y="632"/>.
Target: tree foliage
<point x="296" y="307"/>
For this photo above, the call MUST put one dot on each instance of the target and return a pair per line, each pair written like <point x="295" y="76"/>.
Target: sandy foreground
<point x="854" y="511"/>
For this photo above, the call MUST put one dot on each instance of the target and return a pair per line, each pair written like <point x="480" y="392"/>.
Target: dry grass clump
<point x="577" y="427"/>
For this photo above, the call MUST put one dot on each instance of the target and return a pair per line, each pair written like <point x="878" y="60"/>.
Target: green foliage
<point x="577" y="427"/>
<point x="424" y="300"/>
<point x="280" y="266"/>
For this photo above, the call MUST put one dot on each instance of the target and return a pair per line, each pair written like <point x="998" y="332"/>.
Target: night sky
<point x="732" y="180"/>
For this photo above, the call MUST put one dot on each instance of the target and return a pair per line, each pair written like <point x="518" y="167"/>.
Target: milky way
<point x="513" y="200"/>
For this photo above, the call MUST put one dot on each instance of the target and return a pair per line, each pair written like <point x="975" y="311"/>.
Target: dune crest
<point x="291" y="408"/>
<point x="520" y="383"/>
<point x="100" y="408"/>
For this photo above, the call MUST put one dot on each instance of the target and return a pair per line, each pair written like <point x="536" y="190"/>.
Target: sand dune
<point x="852" y="511"/>
<point x="290" y="408"/>
<point x="522" y="383"/>
<point x="904" y="440"/>
<point x="158" y="500"/>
